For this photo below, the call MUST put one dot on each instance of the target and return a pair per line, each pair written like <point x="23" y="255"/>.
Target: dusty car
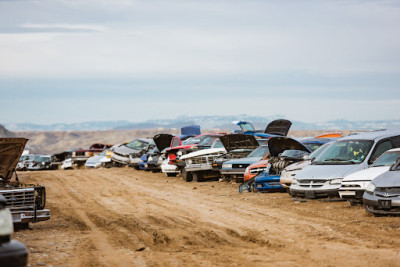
<point x="26" y="202"/>
<point x="323" y="177"/>
<point x="382" y="195"/>
<point x="41" y="162"/>
<point x="174" y="163"/>
<point x="156" y="158"/>
<point x="97" y="160"/>
<point x="12" y="252"/>
<point x="353" y="185"/>
<point x="275" y="128"/>
<point x="283" y="152"/>
<point x="24" y="161"/>
<point x="258" y="167"/>
<point x="79" y="157"/>
<point x="290" y="171"/>
<point x="233" y="164"/>
<point x="121" y="153"/>
<point x="198" y="164"/>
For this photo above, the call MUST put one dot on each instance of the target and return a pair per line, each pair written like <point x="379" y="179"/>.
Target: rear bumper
<point x="26" y="216"/>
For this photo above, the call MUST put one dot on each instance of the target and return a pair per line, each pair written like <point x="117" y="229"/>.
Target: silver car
<point x="382" y="196"/>
<point x="324" y="176"/>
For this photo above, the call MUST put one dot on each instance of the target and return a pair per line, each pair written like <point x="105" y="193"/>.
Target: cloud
<point x="72" y="27"/>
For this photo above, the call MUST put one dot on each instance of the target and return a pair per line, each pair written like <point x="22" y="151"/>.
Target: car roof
<point x="373" y="135"/>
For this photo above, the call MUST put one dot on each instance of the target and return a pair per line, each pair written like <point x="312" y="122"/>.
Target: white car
<point x="354" y="185"/>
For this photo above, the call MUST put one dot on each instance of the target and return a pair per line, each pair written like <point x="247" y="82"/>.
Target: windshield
<point x="387" y="159"/>
<point x="296" y="154"/>
<point x="259" y="152"/>
<point x="247" y="127"/>
<point x="137" y="144"/>
<point x="42" y="159"/>
<point x="192" y="140"/>
<point x="312" y="146"/>
<point x="318" y="151"/>
<point x="206" y="141"/>
<point x="217" y="144"/>
<point x="345" y="152"/>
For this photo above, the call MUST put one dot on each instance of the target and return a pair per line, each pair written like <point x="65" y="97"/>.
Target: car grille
<point x="311" y="183"/>
<point x="201" y="160"/>
<point x="350" y="185"/>
<point x="387" y="191"/>
<point x="19" y="198"/>
<point x="256" y="170"/>
<point x="239" y="166"/>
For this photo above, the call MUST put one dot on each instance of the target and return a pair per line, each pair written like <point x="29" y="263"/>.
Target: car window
<point x="387" y="159"/>
<point x="379" y="149"/>
<point x="395" y="141"/>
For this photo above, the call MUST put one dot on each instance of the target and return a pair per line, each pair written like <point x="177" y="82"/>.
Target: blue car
<point x="284" y="151"/>
<point x="275" y="128"/>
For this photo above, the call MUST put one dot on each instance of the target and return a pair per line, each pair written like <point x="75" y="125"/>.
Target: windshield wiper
<point x="340" y="160"/>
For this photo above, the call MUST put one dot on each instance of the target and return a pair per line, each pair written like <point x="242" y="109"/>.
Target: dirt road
<point x="122" y="217"/>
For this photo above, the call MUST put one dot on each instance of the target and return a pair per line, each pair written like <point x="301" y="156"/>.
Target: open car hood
<point x="238" y="141"/>
<point x="278" y="127"/>
<point x="162" y="141"/>
<point x="10" y="151"/>
<point x="279" y="144"/>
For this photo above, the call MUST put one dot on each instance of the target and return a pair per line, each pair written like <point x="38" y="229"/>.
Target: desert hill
<point x="50" y="142"/>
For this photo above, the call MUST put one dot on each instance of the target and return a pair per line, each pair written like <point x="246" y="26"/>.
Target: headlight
<point x="336" y="181"/>
<point x="189" y="161"/>
<point x="246" y="170"/>
<point x="294" y="181"/>
<point x="370" y="188"/>
<point x="226" y="166"/>
<point x="179" y="153"/>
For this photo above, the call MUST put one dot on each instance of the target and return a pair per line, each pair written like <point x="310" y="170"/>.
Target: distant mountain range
<point x="206" y="122"/>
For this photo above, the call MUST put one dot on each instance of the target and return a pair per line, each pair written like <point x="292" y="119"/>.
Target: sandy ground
<point x="122" y="217"/>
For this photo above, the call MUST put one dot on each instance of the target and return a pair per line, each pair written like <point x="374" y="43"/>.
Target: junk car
<point x="354" y="185"/>
<point x="283" y="152"/>
<point x="12" y="253"/>
<point x="382" y="195"/>
<point x="26" y="201"/>
<point x="323" y="177"/>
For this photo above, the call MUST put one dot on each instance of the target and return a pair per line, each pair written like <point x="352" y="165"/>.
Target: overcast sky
<point x="311" y="61"/>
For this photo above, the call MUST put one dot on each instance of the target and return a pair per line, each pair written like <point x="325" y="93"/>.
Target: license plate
<point x="385" y="203"/>
<point x="310" y="194"/>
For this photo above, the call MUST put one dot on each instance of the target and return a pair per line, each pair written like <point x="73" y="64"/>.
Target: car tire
<point x="197" y="177"/>
<point x="171" y="174"/>
<point x="187" y="176"/>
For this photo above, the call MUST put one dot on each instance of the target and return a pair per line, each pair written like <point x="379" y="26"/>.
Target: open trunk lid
<point x="11" y="150"/>
<point x="238" y="141"/>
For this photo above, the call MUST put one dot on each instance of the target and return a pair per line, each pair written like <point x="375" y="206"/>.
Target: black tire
<point x="187" y="176"/>
<point x="197" y="177"/>
<point x="171" y="174"/>
<point x="136" y="168"/>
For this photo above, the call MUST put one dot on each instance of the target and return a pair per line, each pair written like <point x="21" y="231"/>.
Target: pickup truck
<point x="26" y="201"/>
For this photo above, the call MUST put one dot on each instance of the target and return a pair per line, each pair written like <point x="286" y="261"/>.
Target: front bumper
<point x="120" y="159"/>
<point x="168" y="168"/>
<point x="198" y="167"/>
<point x="352" y="194"/>
<point x="314" y="189"/>
<point x="381" y="205"/>
<point x="232" y="171"/>
<point x="26" y="216"/>
<point x="268" y="183"/>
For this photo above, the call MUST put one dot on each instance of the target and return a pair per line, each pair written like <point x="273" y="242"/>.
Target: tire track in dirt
<point x="112" y="213"/>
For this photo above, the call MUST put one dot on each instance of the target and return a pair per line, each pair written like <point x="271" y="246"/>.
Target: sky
<point x="64" y="61"/>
